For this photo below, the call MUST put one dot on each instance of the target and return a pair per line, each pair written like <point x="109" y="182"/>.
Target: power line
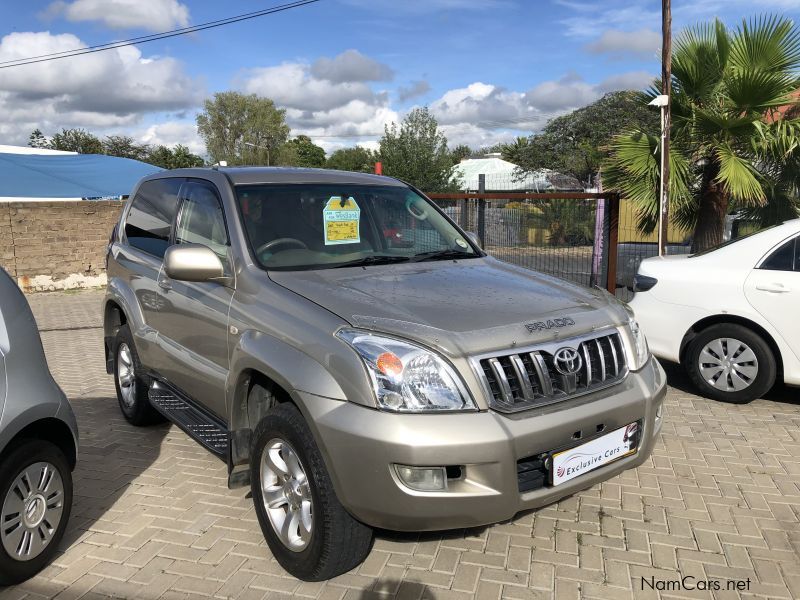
<point x="153" y="37"/>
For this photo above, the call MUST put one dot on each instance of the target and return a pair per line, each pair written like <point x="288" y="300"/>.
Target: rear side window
<point x="784" y="258"/>
<point x="152" y="211"/>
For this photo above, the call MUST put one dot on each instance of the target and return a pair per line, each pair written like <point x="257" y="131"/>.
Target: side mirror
<point x="192" y="262"/>
<point x="473" y="237"/>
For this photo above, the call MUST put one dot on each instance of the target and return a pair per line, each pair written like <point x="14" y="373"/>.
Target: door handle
<point x="775" y="288"/>
<point x="165" y="284"/>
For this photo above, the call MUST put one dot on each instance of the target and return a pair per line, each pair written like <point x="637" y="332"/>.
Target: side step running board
<point x="197" y="423"/>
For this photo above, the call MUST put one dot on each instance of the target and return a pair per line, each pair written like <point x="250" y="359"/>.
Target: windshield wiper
<point x="372" y="260"/>
<point x="446" y="254"/>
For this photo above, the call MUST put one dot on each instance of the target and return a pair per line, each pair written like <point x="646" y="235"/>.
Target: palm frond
<point x="739" y="176"/>
<point x="768" y="43"/>
<point x="633" y="171"/>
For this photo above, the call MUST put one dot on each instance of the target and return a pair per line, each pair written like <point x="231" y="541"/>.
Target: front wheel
<point x="130" y="383"/>
<point x="36" y="496"/>
<point x="730" y="363"/>
<point x="307" y="529"/>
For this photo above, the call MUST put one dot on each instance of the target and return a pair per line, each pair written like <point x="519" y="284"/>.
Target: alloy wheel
<point x="287" y="494"/>
<point x="126" y="375"/>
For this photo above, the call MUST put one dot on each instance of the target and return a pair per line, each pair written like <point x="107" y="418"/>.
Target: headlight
<point x="640" y="351"/>
<point x="407" y="377"/>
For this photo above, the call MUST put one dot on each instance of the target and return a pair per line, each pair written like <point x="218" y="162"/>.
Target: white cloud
<point x="153" y="15"/>
<point x="292" y="85"/>
<point x="324" y="101"/>
<point x="95" y="91"/>
<point x="350" y="66"/>
<point x="644" y="43"/>
<point x="482" y="114"/>
<point x="482" y="103"/>
<point x="170" y="133"/>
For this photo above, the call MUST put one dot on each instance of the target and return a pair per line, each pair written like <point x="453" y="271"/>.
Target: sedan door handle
<point x="775" y="288"/>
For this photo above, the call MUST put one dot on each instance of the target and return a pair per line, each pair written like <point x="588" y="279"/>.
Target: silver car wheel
<point x="126" y="375"/>
<point x="32" y="511"/>
<point x="287" y="494"/>
<point x="728" y="364"/>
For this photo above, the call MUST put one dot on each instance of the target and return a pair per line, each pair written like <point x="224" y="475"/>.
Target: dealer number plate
<point x="592" y="455"/>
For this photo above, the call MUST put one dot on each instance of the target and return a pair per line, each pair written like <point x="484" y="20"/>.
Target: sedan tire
<point x="731" y="363"/>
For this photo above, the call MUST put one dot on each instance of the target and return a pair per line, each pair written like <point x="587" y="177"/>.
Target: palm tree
<point x="732" y="146"/>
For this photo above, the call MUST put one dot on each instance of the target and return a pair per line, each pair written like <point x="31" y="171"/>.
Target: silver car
<point x="360" y="362"/>
<point x="38" y="444"/>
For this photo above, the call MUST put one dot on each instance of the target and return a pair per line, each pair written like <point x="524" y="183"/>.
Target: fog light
<point x="423" y="479"/>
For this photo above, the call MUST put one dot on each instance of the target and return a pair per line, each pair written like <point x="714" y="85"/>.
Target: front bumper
<point x="360" y="445"/>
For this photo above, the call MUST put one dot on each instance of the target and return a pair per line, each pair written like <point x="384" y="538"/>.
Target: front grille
<point x="528" y="379"/>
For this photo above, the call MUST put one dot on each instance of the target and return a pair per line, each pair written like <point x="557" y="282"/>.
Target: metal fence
<point x="592" y="239"/>
<point x="565" y="234"/>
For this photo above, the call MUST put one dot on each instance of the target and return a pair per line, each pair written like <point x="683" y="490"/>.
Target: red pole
<point x="378" y="168"/>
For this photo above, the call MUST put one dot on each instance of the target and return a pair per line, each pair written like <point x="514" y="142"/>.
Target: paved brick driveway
<point x="719" y="499"/>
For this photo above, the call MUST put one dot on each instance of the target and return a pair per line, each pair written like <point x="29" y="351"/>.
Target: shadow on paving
<point x="677" y="378"/>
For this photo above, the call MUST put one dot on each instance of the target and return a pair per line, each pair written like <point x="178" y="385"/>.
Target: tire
<point x="337" y="542"/>
<point x="132" y="391"/>
<point x="46" y="512"/>
<point x="751" y="367"/>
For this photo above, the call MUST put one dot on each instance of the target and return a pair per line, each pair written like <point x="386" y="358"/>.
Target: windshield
<point x="729" y="242"/>
<point x="323" y="226"/>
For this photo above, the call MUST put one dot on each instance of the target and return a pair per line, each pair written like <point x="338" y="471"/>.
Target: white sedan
<point x="730" y="316"/>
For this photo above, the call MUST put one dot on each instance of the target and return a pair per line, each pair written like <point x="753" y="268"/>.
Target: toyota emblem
<point x="567" y="361"/>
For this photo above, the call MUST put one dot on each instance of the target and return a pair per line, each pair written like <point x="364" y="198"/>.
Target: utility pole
<point x="666" y="90"/>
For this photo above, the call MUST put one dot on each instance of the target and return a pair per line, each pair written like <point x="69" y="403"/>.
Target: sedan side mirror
<point x="473" y="237"/>
<point x="192" y="262"/>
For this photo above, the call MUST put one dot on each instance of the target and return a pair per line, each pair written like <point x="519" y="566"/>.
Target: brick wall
<point x="56" y="245"/>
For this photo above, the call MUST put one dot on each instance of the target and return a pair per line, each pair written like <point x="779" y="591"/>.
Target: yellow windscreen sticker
<point x="341" y="218"/>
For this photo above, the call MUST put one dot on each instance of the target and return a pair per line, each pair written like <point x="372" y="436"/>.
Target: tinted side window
<point x="201" y="220"/>
<point x="797" y="254"/>
<point x="782" y="259"/>
<point x="150" y="218"/>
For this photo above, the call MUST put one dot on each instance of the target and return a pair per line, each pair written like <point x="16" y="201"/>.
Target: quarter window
<point x="784" y="258"/>
<point x="201" y="220"/>
<point x="149" y="220"/>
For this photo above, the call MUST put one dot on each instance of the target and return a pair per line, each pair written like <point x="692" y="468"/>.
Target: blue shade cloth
<point x="69" y="175"/>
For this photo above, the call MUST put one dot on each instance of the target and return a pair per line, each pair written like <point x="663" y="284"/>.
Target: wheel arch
<point x="707" y="322"/>
<point x="247" y="411"/>
<point x="51" y="430"/>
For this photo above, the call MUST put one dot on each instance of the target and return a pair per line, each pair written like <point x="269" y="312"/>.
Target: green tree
<point x="416" y="152"/>
<point x="576" y="143"/>
<point x="302" y="152"/>
<point x="460" y="152"/>
<point x="242" y="129"/>
<point x="173" y="158"/>
<point x="730" y="148"/>
<point x="357" y="159"/>
<point x="76" y="140"/>
<point x="517" y="151"/>
<point x="38" y="140"/>
<point x="124" y="146"/>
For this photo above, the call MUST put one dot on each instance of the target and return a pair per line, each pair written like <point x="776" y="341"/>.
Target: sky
<point x="489" y="70"/>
